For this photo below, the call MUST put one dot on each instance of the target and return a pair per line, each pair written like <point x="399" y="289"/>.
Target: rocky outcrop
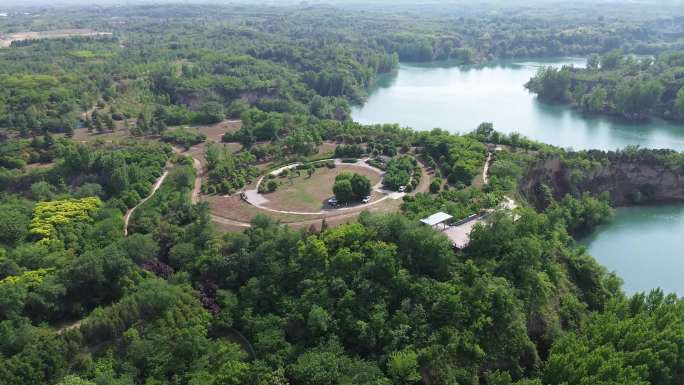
<point x="626" y="182"/>
<point x="191" y="98"/>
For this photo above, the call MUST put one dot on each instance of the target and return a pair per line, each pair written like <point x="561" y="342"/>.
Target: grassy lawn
<point x="309" y="194"/>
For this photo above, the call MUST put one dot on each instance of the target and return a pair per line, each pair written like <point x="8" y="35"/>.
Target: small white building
<point x="458" y="232"/>
<point x="437" y="219"/>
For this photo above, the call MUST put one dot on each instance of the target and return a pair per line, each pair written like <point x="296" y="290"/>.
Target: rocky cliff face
<point x="626" y="182"/>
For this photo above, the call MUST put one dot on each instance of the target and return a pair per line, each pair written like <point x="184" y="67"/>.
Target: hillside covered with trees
<point x="634" y="88"/>
<point x="103" y="282"/>
<point x="171" y="65"/>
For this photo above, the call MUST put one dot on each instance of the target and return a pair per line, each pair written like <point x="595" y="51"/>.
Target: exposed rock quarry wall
<point x="627" y="182"/>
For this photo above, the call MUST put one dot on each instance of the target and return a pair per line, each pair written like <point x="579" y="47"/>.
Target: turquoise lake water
<point x="642" y="244"/>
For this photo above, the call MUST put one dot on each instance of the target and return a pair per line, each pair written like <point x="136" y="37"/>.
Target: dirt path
<point x="331" y="215"/>
<point x="425" y="179"/>
<point x="199" y="173"/>
<point x="331" y="211"/>
<point x="197" y="190"/>
<point x="71" y="326"/>
<point x="228" y="221"/>
<point x="129" y="213"/>
<point x="485" y="170"/>
<point x="233" y="222"/>
<point x="257" y="199"/>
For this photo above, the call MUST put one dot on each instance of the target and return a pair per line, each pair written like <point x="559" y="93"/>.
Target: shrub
<point x="361" y="186"/>
<point x="184" y="137"/>
<point x="130" y="198"/>
<point x="343" y="190"/>
<point x="48" y="216"/>
<point x="435" y="186"/>
<point x="358" y="187"/>
<point x="348" y="151"/>
<point x="399" y="172"/>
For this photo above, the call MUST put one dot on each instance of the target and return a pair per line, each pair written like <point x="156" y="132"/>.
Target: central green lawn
<point x="304" y="193"/>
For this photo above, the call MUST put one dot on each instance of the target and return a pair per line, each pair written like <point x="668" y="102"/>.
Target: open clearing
<point x="6" y="40"/>
<point x="84" y="135"/>
<point x="304" y="193"/>
<point x="233" y="214"/>
<point x="214" y="133"/>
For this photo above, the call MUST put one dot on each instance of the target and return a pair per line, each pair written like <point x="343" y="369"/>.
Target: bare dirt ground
<point x="327" y="148"/>
<point x="6" y="40"/>
<point x="425" y="178"/>
<point x="84" y="136"/>
<point x="235" y="208"/>
<point x="482" y="179"/>
<point x="233" y="214"/>
<point x="36" y="166"/>
<point x="214" y="132"/>
<point x="199" y="173"/>
<point x="69" y="326"/>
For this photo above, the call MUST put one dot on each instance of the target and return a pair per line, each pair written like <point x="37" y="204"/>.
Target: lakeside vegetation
<point x="375" y="299"/>
<point x="634" y="88"/>
<point x="380" y="300"/>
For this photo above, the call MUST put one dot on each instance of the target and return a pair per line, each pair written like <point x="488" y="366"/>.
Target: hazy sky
<point x="513" y="3"/>
<point x="664" y="6"/>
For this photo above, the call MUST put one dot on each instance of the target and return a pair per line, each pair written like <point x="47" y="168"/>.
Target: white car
<point x="332" y="201"/>
<point x="366" y="199"/>
<point x="402" y="188"/>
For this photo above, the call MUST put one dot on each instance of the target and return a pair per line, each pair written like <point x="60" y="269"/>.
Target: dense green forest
<point x="94" y="293"/>
<point x="634" y="88"/>
<point x="197" y="64"/>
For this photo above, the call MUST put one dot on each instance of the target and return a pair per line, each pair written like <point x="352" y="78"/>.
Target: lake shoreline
<point x="458" y="98"/>
<point x="431" y="95"/>
<point x="640" y="245"/>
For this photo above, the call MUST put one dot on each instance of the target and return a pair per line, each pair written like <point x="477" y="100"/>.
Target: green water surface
<point x="441" y="95"/>
<point x="644" y="245"/>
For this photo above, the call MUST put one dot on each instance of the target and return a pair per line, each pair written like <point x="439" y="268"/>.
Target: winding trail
<point x="72" y="326"/>
<point x="342" y="213"/>
<point x="197" y="189"/>
<point x="256" y="199"/>
<point x="485" y="171"/>
<point x="195" y="197"/>
<point x="130" y="211"/>
<point x="237" y="223"/>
